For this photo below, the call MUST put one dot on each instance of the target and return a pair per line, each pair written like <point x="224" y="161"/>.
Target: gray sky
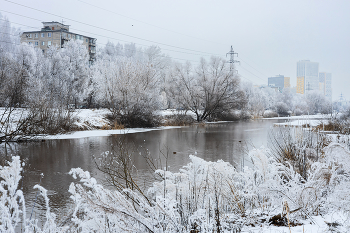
<point x="270" y="36"/>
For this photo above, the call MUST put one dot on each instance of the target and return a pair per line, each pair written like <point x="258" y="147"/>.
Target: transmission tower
<point x="232" y="58"/>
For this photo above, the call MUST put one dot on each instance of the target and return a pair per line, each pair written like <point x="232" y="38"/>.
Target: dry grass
<point x="178" y="120"/>
<point x="297" y="147"/>
<point x="118" y="126"/>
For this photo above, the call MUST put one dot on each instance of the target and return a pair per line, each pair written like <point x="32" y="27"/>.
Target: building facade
<point x="280" y="82"/>
<point x="308" y="71"/>
<point x="57" y="34"/>
<point x="300" y="85"/>
<point x="286" y="82"/>
<point x="325" y="80"/>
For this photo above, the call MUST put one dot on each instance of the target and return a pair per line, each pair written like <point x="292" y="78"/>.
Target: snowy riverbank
<point x="95" y="122"/>
<point x="258" y="199"/>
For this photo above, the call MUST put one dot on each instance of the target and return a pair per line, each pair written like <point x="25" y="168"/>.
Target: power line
<point x="119" y="32"/>
<point x="253" y="67"/>
<point x="105" y="45"/>
<point x="176" y="58"/>
<point x="161" y="55"/>
<point x="135" y="37"/>
<point x="126" y="49"/>
<point x="101" y="35"/>
<point x="252" y="73"/>
<point x="113" y="12"/>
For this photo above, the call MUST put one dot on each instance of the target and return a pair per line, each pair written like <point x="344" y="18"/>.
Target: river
<point x="48" y="162"/>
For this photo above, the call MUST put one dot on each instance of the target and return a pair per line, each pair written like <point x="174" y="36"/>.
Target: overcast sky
<point x="269" y="36"/>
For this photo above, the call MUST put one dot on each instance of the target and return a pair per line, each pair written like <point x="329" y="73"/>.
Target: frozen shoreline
<point x="92" y="121"/>
<point x="103" y="133"/>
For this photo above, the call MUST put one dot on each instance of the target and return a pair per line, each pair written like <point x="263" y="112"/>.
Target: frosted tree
<point x="9" y="36"/>
<point x="77" y="63"/>
<point x="317" y="103"/>
<point x="209" y="90"/>
<point x="129" y="88"/>
<point x="257" y="99"/>
<point x="130" y="50"/>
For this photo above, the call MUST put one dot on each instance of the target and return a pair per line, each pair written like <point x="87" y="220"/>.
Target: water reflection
<point x="55" y="158"/>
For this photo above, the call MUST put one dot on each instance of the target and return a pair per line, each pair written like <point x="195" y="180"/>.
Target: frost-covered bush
<point x="203" y="196"/>
<point x="298" y="112"/>
<point x="269" y="114"/>
<point x="12" y="203"/>
<point x="282" y="109"/>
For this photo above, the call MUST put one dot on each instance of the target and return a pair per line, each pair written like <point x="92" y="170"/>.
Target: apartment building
<point x="300" y="85"/>
<point x="280" y="82"/>
<point x="308" y="71"/>
<point x="325" y="80"/>
<point x="57" y="34"/>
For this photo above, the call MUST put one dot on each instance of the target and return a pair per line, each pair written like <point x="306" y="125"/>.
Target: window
<point x="48" y="43"/>
<point x="29" y="43"/>
<point x="68" y="35"/>
<point x="36" y="35"/>
<point x="29" y="35"/>
<point x="43" y="43"/>
<point x="36" y="43"/>
<point x="87" y="40"/>
<point x="42" y="34"/>
<point x="49" y="34"/>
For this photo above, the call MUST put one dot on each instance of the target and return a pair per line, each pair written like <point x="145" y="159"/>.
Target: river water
<point x="47" y="163"/>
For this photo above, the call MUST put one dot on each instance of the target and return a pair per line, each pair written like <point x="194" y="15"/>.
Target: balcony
<point x="92" y="41"/>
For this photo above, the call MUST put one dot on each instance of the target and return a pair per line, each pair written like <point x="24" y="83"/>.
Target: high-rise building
<point x="309" y="72"/>
<point x="325" y="80"/>
<point x="286" y="82"/>
<point x="300" y="85"/>
<point x="56" y="34"/>
<point x="280" y="82"/>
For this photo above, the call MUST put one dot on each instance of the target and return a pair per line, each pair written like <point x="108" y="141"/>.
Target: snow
<point x="170" y="112"/>
<point x="103" y="133"/>
<point x="302" y="122"/>
<point x="91" y="117"/>
<point x="302" y="117"/>
<point x="311" y="120"/>
<point x="245" y="198"/>
<point x="94" y="119"/>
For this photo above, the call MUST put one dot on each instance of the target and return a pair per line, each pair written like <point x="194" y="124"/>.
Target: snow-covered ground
<point x="90" y="118"/>
<point x="264" y="186"/>
<point x="316" y="224"/>
<point x="302" y="122"/>
<point x="303" y="117"/>
<point x="256" y="194"/>
<point x="103" y="133"/>
<point x="311" y="120"/>
<point x="91" y="121"/>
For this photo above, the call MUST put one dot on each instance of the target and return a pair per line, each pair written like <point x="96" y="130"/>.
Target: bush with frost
<point x="203" y="196"/>
<point x="12" y="203"/>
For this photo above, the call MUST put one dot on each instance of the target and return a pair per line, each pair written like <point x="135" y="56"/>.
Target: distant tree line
<point x="132" y="82"/>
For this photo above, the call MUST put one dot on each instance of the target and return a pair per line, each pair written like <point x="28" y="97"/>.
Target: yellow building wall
<point x="300" y="85"/>
<point x="286" y="82"/>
